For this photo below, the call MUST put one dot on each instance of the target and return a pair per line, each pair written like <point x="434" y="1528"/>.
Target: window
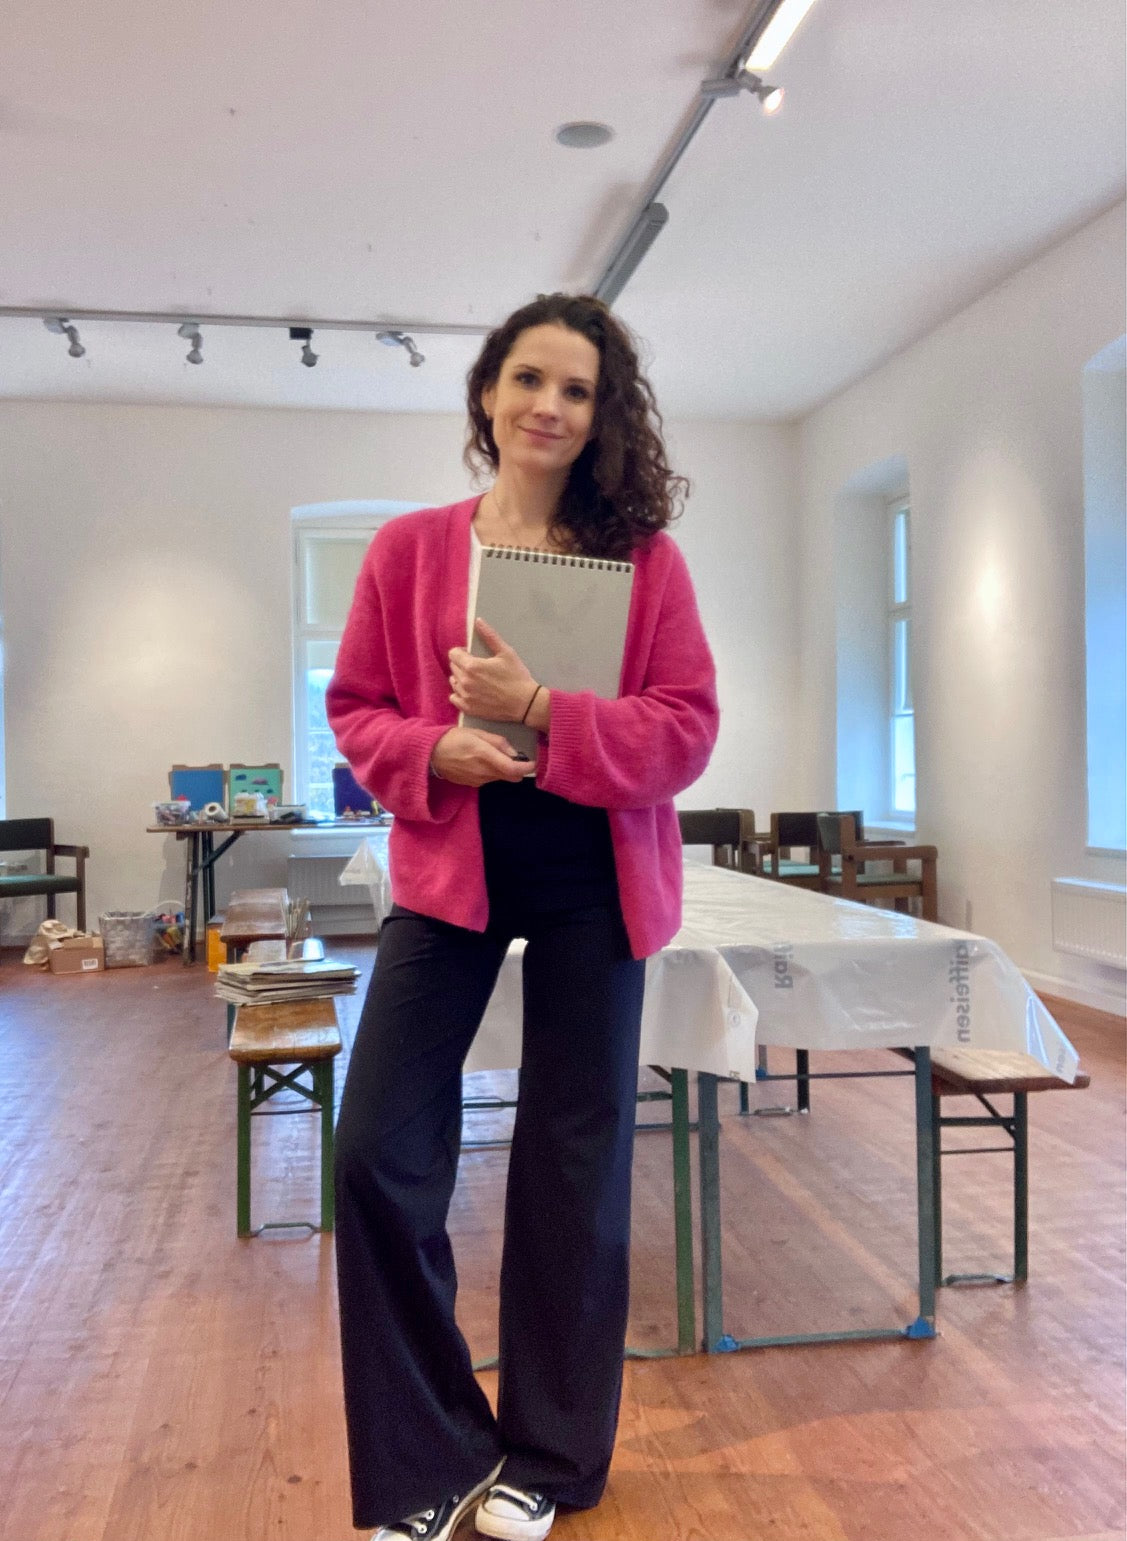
<point x="328" y="562"/>
<point x="876" y="768"/>
<point x="902" y="755"/>
<point x="330" y="540"/>
<point x="1105" y="596"/>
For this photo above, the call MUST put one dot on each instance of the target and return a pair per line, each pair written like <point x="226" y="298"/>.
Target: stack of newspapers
<point x="296" y="979"/>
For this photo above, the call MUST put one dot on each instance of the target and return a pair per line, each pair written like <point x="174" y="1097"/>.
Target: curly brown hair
<point x="620" y="490"/>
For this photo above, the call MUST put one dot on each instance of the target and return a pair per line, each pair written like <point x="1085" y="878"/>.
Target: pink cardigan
<point x="388" y="706"/>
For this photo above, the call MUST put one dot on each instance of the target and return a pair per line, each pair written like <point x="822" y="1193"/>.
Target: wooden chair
<point x="791" y="832"/>
<point x="854" y="877"/>
<point x="39" y="835"/>
<point x="729" y="831"/>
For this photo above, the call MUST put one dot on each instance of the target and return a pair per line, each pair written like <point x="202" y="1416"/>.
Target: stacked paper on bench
<point x="295" y="979"/>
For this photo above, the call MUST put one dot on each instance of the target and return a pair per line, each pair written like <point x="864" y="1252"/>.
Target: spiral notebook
<point x="564" y="615"/>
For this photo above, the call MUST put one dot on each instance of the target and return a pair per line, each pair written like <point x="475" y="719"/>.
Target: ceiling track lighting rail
<point x="190" y="328"/>
<point x="770" y="28"/>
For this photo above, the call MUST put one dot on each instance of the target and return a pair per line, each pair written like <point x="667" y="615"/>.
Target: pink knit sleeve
<point x="646" y="747"/>
<point x="389" y="752"/>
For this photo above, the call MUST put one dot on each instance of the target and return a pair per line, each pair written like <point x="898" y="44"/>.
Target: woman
<point x="583" y="860"/>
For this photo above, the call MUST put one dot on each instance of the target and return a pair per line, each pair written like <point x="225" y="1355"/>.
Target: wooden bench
<point x="983" y="1074"/>
<point x="254" y="915"/>
<point x="274" y="1046"/>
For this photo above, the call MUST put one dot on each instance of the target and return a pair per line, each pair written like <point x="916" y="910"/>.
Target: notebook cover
<point x="565" y="616"/>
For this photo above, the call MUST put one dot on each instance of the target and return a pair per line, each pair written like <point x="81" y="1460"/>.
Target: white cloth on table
<point x="758" y="961"/>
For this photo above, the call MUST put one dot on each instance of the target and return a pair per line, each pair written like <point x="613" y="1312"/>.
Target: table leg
<point x="927" y="1155"/>
<point x="716" y="1340"/>
<point x="187" y="945"/>
<point x="194" y="887"/>
<point x="683" y="1213"/>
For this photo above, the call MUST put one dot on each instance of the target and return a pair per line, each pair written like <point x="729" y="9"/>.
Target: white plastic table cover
<point x="757" y="961"/>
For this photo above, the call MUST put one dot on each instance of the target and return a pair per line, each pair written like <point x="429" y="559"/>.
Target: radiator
<point x="1090" y="919"/>
<point x="333" y="910"/>
<point x="317" y="878"/>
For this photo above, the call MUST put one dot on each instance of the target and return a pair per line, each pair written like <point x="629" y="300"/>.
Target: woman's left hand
<point x="497" y="688"/>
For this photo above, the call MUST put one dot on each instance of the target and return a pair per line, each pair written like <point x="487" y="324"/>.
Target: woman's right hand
<point x="470" y="757"/>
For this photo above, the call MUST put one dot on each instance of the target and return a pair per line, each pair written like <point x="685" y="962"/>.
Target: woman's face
<point x="542" y="405"/>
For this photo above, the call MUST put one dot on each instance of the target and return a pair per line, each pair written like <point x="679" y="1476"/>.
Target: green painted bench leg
<point x="324" y="1085"/>
<point x="1021" y="1187"/>
<point x="683" y="1214"/>
<point x="243" y="1176"/>
<point x="937" y="1186"/>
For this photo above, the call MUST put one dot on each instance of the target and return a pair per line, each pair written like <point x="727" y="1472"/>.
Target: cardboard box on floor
<point x="77" y="955"/>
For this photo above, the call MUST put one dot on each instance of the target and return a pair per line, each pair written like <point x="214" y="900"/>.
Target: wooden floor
<point x="162" y="1381"/>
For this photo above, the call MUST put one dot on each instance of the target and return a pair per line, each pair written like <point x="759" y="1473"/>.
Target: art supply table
<point x="757" y="962"/>
<point x="201" y="853"/>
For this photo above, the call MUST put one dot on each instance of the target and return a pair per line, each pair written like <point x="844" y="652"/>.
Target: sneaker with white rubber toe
<point x="511" y="1514"/>
<point x="439" y="1523"/>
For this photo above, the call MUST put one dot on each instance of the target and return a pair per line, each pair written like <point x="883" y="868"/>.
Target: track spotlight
<point x="190" y="331"/>
<point x="770" y="97"/>
<point x="62" y="327"/>
<point x="401" y="340"/>
<point x="304" y="335"/>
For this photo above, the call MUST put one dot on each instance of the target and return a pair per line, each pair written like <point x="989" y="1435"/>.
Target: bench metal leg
<point x="1021" y="1187"/>
<point x="323" y="1082"/>
<point x="802" y="1077"/>
<point x="242" y="1200"/>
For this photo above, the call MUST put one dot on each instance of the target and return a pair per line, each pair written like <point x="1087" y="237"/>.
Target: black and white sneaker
<point x="439" y="1523"/>
<point x="511" y="1514"/>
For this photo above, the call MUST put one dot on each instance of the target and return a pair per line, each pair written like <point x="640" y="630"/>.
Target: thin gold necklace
<point x="517" y="536"/>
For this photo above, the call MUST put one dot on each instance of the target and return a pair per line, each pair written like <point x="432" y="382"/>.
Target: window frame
<point x="899" y="614"/>
<point x="307" y="533"/>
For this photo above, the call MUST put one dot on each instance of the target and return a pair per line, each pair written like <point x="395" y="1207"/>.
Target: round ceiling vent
<point x="584" y="136"/>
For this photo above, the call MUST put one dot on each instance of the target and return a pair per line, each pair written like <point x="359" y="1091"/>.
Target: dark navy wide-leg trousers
<point x="419" y="1425"/>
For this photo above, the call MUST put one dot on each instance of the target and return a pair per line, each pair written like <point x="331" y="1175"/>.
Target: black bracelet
<point x="531" y="698"/>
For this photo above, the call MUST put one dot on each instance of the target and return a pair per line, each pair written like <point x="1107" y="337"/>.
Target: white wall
<point x="145" y="580"/>
<point x="987" y="411"/>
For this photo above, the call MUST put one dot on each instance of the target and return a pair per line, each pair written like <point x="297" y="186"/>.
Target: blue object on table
<point x="200" y="784"/>
<point x="348" y="795"/>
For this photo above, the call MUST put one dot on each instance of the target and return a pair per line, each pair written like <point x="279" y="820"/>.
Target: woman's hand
<point x="472" y="757"/>
<point x="498" y="688"/>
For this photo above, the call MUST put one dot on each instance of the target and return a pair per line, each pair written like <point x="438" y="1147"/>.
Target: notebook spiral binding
<point x="556" y="559"/>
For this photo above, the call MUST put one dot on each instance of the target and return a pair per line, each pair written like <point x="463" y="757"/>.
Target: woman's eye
<point x="526" y="377"/>
<point x="578" y="393"/>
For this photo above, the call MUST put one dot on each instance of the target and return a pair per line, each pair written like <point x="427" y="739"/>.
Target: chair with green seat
<point x="854" y="876"/>
<point x="791" y="832"/>
<point x="35" y="835"/>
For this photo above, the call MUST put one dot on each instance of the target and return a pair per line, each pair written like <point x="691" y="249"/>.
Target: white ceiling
<point x="383" y="161"/>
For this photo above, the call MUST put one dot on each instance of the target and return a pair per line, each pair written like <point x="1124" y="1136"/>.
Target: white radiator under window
<point x="1090" y="919"/>
<point x="333" y="910"/>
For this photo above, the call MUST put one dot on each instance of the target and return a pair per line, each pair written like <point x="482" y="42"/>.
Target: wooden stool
<point x="273" y="1047"/>
<point x="982" y="1074"/>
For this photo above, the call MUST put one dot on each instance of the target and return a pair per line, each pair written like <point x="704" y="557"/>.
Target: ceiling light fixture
<point x="63" y="328"/>
<point x="772" y="24"/>
<point x="190" y="331"/>
<point x="776" y="34"/>
<point x="304" y="335"/>
<point x="770" y="97"/>
<point x="401" y="340"/>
